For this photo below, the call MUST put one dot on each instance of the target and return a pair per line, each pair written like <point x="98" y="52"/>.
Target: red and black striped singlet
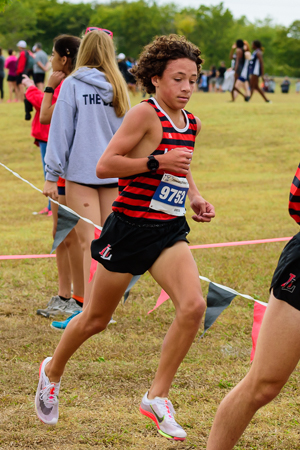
<point x="294" y="202"/>
<point x="136" y="191"/>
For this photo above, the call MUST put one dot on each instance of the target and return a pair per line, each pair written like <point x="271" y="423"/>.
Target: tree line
<point x="134" y="24"/>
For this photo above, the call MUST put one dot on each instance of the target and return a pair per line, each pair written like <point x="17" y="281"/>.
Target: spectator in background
<point x="21" y="68"/>
<point x="266" y="81"/>
<point x="238" y="68"/>
<point x="228" y="80"/>
<point x="297" y="86"/>
<point x="285" y="85"/>
<point x="2" y="75"/>
<point x="272" y="86"/>
<point x="243" y="80"/>
<point x="122" y="65"/>
<point x="40" y="66"/>
<point x="203" y="85"/>
<point x="256" y="69"/>
<point x="212" y="78"/>
<point x="11" y="64"/>
<point x="220" y="77"/>
<point x="131" y="81"/>
<point x="69" y="258"/>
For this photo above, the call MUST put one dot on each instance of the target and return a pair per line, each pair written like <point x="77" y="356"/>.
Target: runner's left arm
<point x="203" y="209"/>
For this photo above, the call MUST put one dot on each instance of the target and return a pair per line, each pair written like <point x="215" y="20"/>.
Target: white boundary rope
<point x="232" y="291"/>
<point x="54" y="201"/>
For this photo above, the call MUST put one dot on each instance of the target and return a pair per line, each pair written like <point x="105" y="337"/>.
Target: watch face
<point x="152" y="164"/>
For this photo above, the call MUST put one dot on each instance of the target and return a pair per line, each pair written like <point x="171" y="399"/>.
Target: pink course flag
<point x="94" y="262"/>
<point x="258" y="315"/>
<point x="161" y="299"/>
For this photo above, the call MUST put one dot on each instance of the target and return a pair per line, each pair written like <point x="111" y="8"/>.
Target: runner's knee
<point x="264" y="391"/>
<point x="98" y="324"/>
<point x="92" y="325"/>
<point x="267" y="393"/>
<point x="193" y="310"/>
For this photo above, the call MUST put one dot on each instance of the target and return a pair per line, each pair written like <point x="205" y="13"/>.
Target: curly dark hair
<point x="155" y="56"/>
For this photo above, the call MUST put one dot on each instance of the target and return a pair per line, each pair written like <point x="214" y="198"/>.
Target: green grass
<point x="245" y="159"/>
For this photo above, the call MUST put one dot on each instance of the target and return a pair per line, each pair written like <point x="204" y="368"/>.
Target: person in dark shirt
<point x="212" y="78"/>
<point x="285" y="85"/>
<point x="220" y="76"/>
<point x="239" y="64"/>
<point x="121" y="59"/>
<point x="2" y="74"/>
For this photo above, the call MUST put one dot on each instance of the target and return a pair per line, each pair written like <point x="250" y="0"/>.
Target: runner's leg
<point x="254" y="79"/>
<point x="108" y="288"/>
<point x="176" y="272"/>
<point x="277" y="354"/>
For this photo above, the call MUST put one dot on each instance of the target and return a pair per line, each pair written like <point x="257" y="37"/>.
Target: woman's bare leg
<point x="75" y="258"/>
<point x="11" y="89"/>
<point x="20" y="92"/>
<point x="94" y="204"/>
<point x="106" y="198"/>
<point x="62" y="259"/>
<point x="254" y="86"/>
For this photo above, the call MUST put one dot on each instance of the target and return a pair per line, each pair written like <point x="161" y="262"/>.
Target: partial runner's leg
<point x="277" y="354"/>
<point x="108" y="288"/>
<point x="254" y="79"/>
<point x="176" y="272"/>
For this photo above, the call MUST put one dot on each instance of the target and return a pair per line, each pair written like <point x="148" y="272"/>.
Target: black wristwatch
<point x="152" y="164"/>
<point x="49" y="89"/>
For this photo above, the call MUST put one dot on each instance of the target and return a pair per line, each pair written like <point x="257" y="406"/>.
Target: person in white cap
<point x="21" y="68"/>
<point x="122" y="65"/>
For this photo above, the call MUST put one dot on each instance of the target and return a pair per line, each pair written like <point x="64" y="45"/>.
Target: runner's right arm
<point x="137" y="129"/>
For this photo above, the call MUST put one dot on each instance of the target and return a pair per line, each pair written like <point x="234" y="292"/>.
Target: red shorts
<point x="61" y="182"/>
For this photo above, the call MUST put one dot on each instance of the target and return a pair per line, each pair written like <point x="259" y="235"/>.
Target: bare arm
<point x="232" y="50"/>
<point x="47" y="108"/>
<point x="44" y="68"/>
<point x="204" y="210"/>
<point x="238" y="57"/>
<point x="259" y="55"/>
<point x="137" y="128"/>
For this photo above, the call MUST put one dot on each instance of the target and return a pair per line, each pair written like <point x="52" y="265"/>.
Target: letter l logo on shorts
<point x="105" y="253"/>
<point x="288" y="285"/>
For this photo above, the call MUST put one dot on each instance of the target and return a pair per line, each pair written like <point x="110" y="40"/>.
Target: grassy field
<point x="245" y="160"/>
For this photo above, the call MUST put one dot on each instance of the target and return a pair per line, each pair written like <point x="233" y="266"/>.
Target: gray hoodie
<point x="83" y="123"/>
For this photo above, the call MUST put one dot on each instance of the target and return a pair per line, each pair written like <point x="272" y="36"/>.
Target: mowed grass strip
<point x="245" y="159"/>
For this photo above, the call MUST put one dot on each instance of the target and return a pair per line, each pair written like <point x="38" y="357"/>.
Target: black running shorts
<point x="38" y="78"/>
<point x="286" y="278"/>
<point x="129" y="245"/>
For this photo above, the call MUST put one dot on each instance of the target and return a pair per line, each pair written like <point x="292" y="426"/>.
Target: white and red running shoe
<point x="46" y="401"/>
<point x="161" y="411"/>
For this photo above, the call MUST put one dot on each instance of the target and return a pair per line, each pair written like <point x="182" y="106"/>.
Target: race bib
<point x="170" y="195"/>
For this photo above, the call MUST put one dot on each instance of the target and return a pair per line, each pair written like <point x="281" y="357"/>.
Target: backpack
<point x="29" y="62"/>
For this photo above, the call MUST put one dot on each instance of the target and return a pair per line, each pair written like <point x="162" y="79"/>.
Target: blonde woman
<point x="91" y="106"/>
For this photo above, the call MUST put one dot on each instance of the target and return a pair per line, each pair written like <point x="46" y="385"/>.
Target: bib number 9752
<point x="170" y="195"/>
